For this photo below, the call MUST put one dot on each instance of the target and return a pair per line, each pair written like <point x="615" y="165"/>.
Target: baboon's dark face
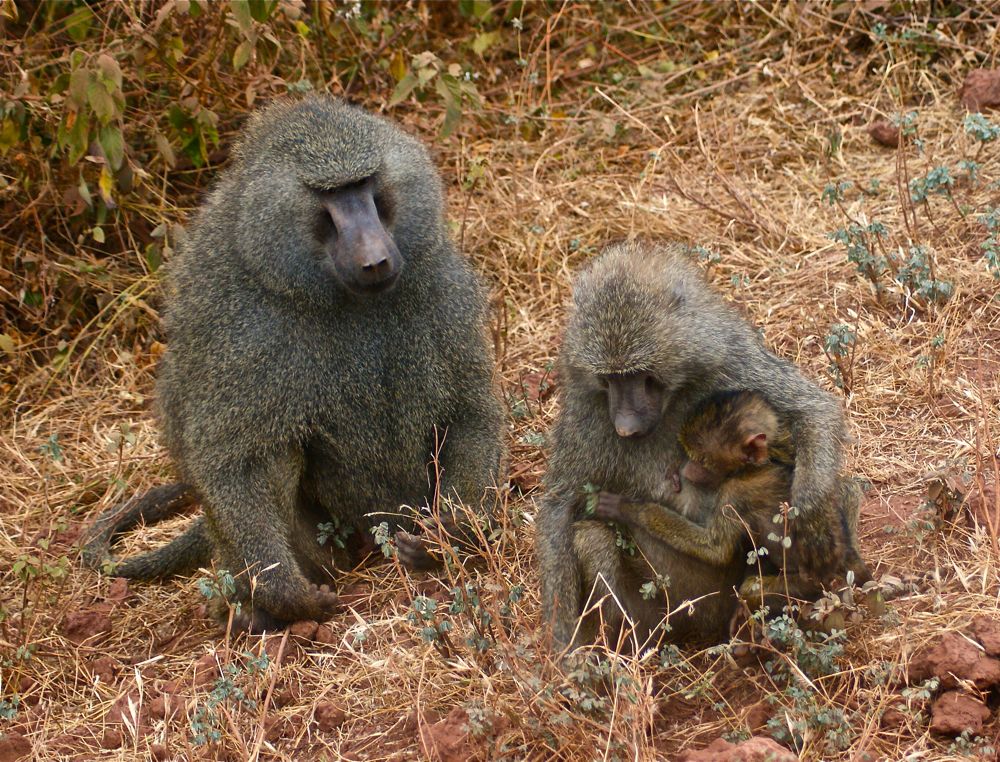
<point x="635" y="402"/>
<point x="354" y="229"/>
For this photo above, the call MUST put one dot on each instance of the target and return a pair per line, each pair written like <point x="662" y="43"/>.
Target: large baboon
<point x="646" y="342"/>
<point x="327" y="358"/>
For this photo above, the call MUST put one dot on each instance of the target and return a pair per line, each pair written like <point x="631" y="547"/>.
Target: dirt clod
<point x="885" y="132"/>
<point x="329" y="716"/>
<point x="118" y="591"/>
<point x="953" y="657"/>
<point x="105" y="669"/>
<point x="325" y="635"/>
<point x="756" y="749"/>
<point x="87" y="625"/>
<point x="954" y="712"/>
<point x="111" y="739"/>
<point x="126" y="707"/>
<point x="981" y="89"/>
<point x="987" y="631"/>
<point x="892" y="718"/>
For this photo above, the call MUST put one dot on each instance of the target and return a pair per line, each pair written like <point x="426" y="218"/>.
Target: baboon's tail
<point x="188" y="551"/>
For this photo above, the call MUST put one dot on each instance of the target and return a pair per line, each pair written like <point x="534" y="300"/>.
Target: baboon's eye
<point x="324" y="228"/>
<point x="384" y="209"/>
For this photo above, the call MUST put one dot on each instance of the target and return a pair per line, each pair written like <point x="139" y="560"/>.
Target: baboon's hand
<point x="413" y="553"/>
<point x="675" y="481"/>
<point x="609" y="506"/>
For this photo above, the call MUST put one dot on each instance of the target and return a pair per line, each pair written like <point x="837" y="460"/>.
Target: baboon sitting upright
<point x="648" y="339"/>
<point x="327" y="357"/>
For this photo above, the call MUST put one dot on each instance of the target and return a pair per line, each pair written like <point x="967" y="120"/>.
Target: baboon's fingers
<point x="413" y="553"/>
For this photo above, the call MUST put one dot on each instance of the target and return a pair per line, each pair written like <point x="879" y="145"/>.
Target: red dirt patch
<point x="14" y="746"/>
<point x="448" y="740"/>
<point x="88" y="625"/>
<point x="756" y="749"/>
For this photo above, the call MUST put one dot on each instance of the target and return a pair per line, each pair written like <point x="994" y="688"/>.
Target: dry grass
<point x="728" y="147"/>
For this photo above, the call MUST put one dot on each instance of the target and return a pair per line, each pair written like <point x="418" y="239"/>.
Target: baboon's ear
<point x="755" y="448"/>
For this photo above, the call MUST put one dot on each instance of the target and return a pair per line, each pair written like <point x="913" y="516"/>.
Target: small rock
<point x="118" y="591"/>
<point x="14" y="746"/>
<point x="987" y="631"/>
<point x="284" y="696"/>
<point x="885" y="132"/>
<point x="448" y="740"/>
<point x="329" y="716"/>
<point x="953" y="713"/>
<point x="756" y="749"/>
<point x="87" y="626"/>
<point x="981" y="89"/>
<point x="278" y="653"/>
<point x="163" y="706"/>
<point x="306" y="630"/>
<point x="158" y="752"/>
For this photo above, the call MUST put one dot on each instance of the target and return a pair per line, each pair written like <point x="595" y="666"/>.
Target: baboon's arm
<point x="249" y="508"/>
<point x="716" y="543"/>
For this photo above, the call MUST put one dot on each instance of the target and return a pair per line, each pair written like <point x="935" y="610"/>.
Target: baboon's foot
<point x="414" y="554"/>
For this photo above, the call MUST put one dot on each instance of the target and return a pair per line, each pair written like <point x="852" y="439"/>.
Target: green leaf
<point x="10" y="135"/>
<point x="448" y="88"/>
<point x="110" y="69"/>
<point x="242" y="54"/>
<point x="78" y="83"/>
<point x="485" y="41"/>
<point x="403" y="89"/>
<point x="100" y="101"/>
<point x="98" y="234"/>
<point x="78" y="23"/>
<point x="241" y="12"/>
<point x="261" y="10"/>
<point x="111" y="140"/>
<point x="78" y="138"/>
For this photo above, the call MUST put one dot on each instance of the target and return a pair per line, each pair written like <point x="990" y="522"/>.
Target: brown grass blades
<point x="740" y="129"/>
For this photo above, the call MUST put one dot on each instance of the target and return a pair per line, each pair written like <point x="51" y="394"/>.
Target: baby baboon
<point x="646" y="341"/>
<point x="740" y="463"/>
<point x="327" y="357"/>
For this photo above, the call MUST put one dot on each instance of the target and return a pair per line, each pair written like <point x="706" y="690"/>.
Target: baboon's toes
<point x="413" y="553"/>
<point x="327" y="601"/>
